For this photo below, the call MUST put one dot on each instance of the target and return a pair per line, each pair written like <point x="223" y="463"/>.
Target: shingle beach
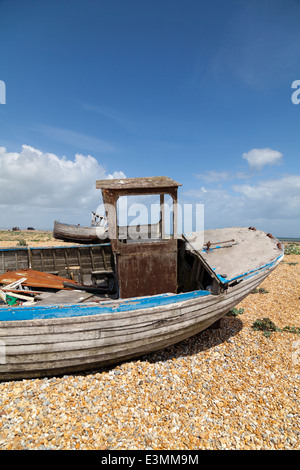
<point x="226" y="388"/>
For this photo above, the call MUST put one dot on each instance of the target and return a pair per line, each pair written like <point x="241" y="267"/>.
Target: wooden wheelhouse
<point x="145" y="255"/>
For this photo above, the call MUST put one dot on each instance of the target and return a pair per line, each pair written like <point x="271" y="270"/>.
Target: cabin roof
<point x="156" y="182"/>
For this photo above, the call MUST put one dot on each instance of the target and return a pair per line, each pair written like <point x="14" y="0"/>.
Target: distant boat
<point x="78" y="234"/>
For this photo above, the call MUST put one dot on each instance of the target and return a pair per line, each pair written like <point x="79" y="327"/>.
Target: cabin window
<point x="149" y="217"/>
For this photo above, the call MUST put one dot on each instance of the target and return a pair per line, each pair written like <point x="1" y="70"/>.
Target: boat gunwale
<point x="101" y="308"/>
<point x="85" y="309"/>
<point x="79" y="245"/>
<point x="252" y="271"/>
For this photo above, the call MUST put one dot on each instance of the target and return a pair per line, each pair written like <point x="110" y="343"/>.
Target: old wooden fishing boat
<point x="160" y="290"/>
<point x="79" y="234"/>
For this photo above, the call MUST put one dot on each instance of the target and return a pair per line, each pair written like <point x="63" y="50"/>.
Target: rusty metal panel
<point x="147" y="273"/>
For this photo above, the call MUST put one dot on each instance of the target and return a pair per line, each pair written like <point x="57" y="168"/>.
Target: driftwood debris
<point x="34" y="279"/>
<point x="17" y="288"/>
<point x="15" y="284"/>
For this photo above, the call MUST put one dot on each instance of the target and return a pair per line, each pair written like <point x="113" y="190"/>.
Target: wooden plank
<point x="104" y="258"/>
<point x="17" y="295"/>
<point x="14" y="284"/>
<point x="19" y="291"/>
<point x="66" y="258"/>
<point x="64" y="297"/>
<point x="103" y="272"/>
<point x="42" y="260"/>
<point x="92" y="258"/>
<point x="30" y="260"/>
<point x="54" y="260"/>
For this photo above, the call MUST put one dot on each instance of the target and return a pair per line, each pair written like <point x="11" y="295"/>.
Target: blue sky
<point x="197" y="91"/>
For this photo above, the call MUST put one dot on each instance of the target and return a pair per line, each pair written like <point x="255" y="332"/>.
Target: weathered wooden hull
<point x="78" y="234"/>
<point x="86" y="337"/>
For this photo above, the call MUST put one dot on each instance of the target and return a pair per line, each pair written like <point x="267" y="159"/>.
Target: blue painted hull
<point x="106" y="307"/>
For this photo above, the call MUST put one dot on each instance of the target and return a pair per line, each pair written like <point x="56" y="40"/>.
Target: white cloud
<point x="214" y="176"/>
<point x="273" y="198"/>
<point x="258" y="158"/>
<point x="37" y="187"/>
<point x="271" y="205"/>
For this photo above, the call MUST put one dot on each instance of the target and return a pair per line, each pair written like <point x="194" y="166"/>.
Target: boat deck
<point x="234" y="252"/>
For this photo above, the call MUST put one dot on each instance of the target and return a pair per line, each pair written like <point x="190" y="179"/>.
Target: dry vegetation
<point x="10" y="238"/>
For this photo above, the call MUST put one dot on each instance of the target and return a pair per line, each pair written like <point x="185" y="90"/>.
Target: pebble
<point x="230" y="388"/>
